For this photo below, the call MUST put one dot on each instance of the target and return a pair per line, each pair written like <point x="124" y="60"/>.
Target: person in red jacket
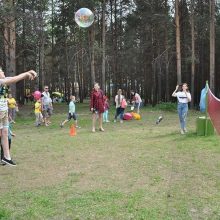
<point x="97" y="106"/>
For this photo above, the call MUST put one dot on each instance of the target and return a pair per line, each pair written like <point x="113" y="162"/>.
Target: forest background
<point x="145" y="45"/>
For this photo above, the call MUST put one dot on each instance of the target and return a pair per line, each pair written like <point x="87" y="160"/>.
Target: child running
<point x="72" y="113"/>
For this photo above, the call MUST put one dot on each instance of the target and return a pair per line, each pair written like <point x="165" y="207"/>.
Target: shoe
<point x="185" y="130"/>
<point x="107" y="121"/>
<point x="101" y="129"/>
<point x="114" y="120"/>
<point x="182" y="131"/>
<point x="93" y="130"/>
<point x="9" y="162"/>
<point x="78" y="126"/>
<point x="61" y="125"/>
<point x="121" y="121"/>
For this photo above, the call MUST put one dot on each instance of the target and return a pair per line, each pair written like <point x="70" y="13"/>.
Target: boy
<point x="71" y="114"/>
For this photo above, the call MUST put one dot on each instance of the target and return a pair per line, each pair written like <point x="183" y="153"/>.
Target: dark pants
<point x="2" y="152"/>
<point x="119" y="111"/>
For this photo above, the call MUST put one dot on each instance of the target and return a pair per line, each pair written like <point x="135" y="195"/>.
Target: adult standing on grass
<point x="184" y="97"/>
<point x="119" y="109"/>
<point x="136" y="100"/>
<point x="4" y="109"/>
<point x="47" y="106"/>
<point x="97" y="106"/>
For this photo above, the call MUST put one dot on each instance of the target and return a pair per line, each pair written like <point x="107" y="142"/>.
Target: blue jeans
<point x="119" y="111"/>
<point x="182" y="112"/>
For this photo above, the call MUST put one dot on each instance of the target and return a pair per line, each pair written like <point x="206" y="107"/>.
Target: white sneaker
<point x="114" y="120"/>
<point x="185" y="130"/>
<point x="182" y="131"/>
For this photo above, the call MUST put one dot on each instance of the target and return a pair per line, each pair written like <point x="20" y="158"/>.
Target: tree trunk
<point x="212" y="45"/>
<point x="92" y="55"/>
<point x="103" y="45"/>
<point x="193" y="53"/>
<point x="10" y="44"/>
<point x="178" y="52"/>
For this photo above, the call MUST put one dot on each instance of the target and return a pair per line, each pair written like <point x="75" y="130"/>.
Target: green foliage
<point x="4" y="214"/>
<point x="166" y="106"/>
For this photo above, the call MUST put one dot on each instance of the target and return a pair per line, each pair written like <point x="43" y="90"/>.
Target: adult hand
<point x="32" y="74"/>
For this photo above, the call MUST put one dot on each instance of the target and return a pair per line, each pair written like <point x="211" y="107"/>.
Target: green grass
<point x="135" y="170"/>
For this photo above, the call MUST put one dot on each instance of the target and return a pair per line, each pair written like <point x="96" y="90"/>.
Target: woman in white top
<point x="183" y="97"/>
<point x="119" y="110"/>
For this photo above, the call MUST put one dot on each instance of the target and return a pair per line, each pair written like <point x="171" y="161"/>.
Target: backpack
<point x="123" y="103"/>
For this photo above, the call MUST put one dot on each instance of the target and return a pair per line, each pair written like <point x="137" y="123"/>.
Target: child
<point x="38" y="114"/>
<point x="106" y="108"/>
<point x="10" y="135"/>
<point x="72" y="113"/>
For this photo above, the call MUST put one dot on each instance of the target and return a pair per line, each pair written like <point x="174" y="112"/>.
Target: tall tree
<point x="212" y="44"/>
<point x="103" y="44"/>
<point x="10" y="40"/>
<point x="178" y="51"/>
<point x="193" y="51"/>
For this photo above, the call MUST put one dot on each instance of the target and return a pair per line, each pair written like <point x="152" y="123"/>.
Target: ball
<point x="84" y="17"/>
<point x="37" y="95"/>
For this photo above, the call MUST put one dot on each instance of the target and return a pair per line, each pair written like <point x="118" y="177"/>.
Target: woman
<point x="119" y="110"/>
<point x="97" y="106"/>
<point x="184" y="97"/>
<point x="136" y="100"/>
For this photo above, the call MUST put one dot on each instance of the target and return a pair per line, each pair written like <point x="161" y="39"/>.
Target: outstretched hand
<point x="32" y="74"/>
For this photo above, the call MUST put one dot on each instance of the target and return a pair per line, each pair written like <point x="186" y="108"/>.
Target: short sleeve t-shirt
<point x="37" y="108"/>
<point x="182" y="97"/>
<point x="72" y="107"/>
<point x="46" y="98"/>
<point x="11" y="103"/>
<point x="137" y="98"/>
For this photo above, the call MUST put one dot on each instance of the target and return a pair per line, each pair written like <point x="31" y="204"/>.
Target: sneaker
<point x="61" y="125"/>
<point x="121" y="121"/>
<point x="107" y="121"/>
<point x="114" y="120"/>
<point x="78" y="126"/>
<point x="185" y="130"/>
<point x="101" y="129"/>
<point x="93" y="130"/>
<point x="182" y="131"/>
<point x="9" y="162"/>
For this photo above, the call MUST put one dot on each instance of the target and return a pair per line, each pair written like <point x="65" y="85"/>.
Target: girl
<point x="184" y="97"/>
<point x="119" y="109"/>
<point x="97" y="106"/>
<point x="106" y="108"/>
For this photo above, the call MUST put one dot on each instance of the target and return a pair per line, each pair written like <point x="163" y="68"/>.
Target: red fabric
<point x="97" y="100"/>
<point x="214" y="110"/>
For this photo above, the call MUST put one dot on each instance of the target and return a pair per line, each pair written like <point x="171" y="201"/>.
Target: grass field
<point x="135" y="170"/>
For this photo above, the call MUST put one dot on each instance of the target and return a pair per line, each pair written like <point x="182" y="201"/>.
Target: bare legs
<point x="94" y="118"/>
